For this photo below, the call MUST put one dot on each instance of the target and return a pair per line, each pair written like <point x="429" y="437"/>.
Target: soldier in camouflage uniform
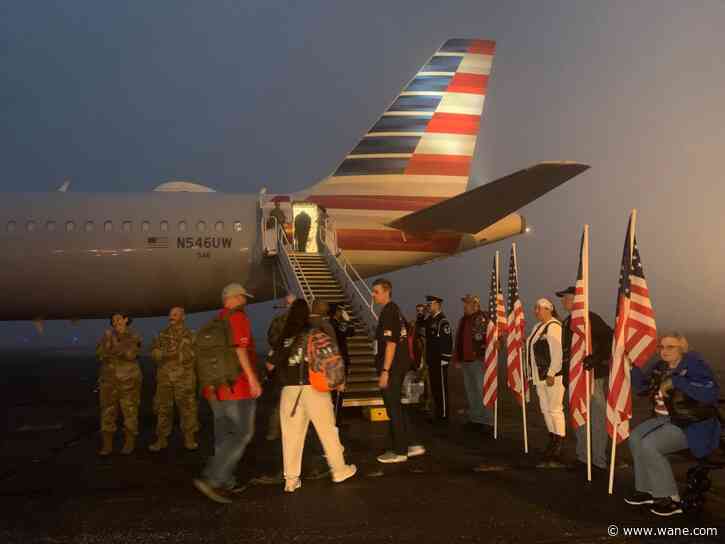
<point x="120" y="382"/>
<point x="173" y="352"/>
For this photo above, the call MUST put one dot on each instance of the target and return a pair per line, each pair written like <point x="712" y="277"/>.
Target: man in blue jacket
<point x="677" y="370"/>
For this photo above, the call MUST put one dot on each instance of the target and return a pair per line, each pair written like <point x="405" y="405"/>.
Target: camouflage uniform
<point x="120" y="381"/>
<point x="173" y="352"/>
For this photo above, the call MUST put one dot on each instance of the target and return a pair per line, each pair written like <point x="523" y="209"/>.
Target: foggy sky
<point x="123" y="96"/>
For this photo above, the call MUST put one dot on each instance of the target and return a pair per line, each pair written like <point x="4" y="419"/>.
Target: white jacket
<point x="553" y="337"/>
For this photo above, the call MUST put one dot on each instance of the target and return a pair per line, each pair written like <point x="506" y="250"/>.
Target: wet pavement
<point x="53" y="488"/>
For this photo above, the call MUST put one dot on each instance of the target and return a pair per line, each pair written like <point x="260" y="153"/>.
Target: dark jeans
<point x="233" y="430"/>
<point x="399" y="424"/>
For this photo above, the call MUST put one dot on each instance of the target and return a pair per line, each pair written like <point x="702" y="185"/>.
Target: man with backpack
<point x="393" y="360"/>
<point x="225" y="368"/>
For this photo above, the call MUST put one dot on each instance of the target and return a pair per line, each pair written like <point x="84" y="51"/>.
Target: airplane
<point x="398" y="199"/>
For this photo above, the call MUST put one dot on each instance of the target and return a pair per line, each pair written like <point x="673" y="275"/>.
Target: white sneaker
<point x="291" y="486"/>
<point x="346" y="474"/>
<point x="392" y="457"/>
<point x="415" y="451"/>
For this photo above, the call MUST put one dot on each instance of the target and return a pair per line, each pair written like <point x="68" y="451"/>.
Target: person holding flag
<point x="597" y="362"/>
<point x="544" y="354"/>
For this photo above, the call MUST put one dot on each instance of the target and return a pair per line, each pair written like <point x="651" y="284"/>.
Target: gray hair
<point x="684" y="344"/>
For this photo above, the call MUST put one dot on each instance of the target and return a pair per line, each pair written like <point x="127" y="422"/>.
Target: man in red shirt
<point x="468" y="353"/>
<point x="233" y="407"/>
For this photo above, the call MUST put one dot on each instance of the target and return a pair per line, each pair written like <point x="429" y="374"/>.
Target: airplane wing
<point x="474" y="210"/>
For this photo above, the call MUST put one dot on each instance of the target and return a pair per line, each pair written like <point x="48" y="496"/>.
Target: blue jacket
<point x="694" y="378"/>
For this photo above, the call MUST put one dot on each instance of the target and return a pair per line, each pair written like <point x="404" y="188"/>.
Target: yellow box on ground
<point x="376" y="413"/>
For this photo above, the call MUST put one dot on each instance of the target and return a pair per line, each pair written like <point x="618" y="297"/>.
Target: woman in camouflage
<point x="120" y="382"/>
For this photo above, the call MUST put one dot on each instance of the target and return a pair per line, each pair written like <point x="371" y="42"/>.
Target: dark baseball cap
<point x="571" y="290"/>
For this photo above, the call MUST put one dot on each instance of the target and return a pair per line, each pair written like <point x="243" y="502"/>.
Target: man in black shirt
<point x="598" y="362"/>
<point x="392" y="360"/>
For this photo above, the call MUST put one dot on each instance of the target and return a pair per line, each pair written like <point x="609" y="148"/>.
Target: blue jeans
<point x="649" y="443"/>
<point x="598" y="416"/>
<point x="233" y="429"/>
<point x="473" y="382"/>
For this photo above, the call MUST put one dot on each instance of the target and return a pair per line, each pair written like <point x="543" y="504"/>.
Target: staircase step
<point x="355" y="400"/>
<point x="363" y="387"/>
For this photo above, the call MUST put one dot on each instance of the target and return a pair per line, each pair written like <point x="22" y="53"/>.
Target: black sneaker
<point x="639" y="498"/>
<point x="666" y="507"/>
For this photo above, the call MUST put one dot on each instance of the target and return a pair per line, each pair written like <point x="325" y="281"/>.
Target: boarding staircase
<point x="329" y="276"/>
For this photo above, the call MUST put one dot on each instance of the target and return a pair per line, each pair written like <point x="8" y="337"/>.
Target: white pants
<point x="551" y="400"/>
<point x="316" y="407"/>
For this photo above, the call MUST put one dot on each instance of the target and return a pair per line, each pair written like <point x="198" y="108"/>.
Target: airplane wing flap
<point x="474" y="210"/>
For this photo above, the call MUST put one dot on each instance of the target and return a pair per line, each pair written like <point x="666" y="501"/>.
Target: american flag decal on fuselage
<point x="157" y="242"/>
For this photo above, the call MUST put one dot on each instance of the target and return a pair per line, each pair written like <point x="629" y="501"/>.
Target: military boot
<point x="160" y="444"/>
<point x="106" y="444"/>
<point x="555" y="454"/>
<point x="129" y="444"/>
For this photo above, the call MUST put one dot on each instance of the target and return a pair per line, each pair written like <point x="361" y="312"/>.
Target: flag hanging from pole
<point x="581" y="339"/>
<point x="635" y="335"/>
<point x="516" y="327"/>
<point x="490" y="364"/>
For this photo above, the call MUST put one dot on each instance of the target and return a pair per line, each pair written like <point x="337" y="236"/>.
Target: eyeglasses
<point x="663" y="347"/>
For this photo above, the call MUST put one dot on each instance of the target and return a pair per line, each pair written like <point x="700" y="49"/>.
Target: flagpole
<point x="495" y="317"/>
<point x="521" y="363"/>
<point x="587" y="351"/>
<point x="614" y="456"/>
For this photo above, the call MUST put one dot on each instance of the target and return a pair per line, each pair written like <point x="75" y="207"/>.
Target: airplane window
<point x="201" y="226"/>
<point x="30" y="226"/>
<point x="50" y="226"/>
<point x="126" y="226"/>
<point x="11" y="226"/>
<point x="219" y="227"/>
<point x="89" y="226"/>
<point x="108" y="226"/>
<point x="237" y="226"/>
<point x="164" y="226"/>
<point x="145" y="226"/>
<point x="70" y="226"/>
<point x="182" y="226"/>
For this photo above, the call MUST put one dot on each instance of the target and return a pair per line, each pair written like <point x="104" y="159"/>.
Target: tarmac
<point x="55" y="489"/>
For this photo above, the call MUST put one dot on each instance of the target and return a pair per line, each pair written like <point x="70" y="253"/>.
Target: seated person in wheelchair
<point x="684" y="397"/>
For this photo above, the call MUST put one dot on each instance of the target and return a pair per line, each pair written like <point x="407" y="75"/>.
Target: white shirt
<point x="553" y="337"/>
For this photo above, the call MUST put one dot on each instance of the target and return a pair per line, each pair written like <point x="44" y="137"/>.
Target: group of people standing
<point x="308" y="362"/>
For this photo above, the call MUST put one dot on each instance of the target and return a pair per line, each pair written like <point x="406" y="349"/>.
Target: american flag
<point x="490" y="372"/>
<point x="157" y="242"/>
<point x="515" y="337"/>
<point x="635" y="335"/>
<point x="581" y="339"/>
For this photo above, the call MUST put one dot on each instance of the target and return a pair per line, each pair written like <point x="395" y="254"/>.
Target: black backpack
<point x="217" y="362"/>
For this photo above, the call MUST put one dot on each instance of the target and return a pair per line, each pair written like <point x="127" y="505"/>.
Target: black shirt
<point x="391" y="329"/>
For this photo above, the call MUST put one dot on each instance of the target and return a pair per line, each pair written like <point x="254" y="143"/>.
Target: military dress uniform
<point x="173" y="352"/>
<point x="120" y="385"/>
<point x="438" y="350"/>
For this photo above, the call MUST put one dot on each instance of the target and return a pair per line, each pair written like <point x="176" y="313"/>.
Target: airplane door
<point x="304" y="226"/>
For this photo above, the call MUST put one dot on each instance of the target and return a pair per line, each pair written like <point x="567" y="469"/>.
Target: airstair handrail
<point x="342" y="268"/>
<point x="294" y="265"/>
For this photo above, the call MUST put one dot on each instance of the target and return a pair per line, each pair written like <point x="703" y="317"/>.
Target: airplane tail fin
<point x="419" y="151"/>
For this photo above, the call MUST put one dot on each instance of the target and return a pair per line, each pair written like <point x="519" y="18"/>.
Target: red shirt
<point x="242" y="338"/>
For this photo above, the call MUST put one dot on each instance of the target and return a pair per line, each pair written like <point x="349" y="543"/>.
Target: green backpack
<point x="216" y="358"/>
